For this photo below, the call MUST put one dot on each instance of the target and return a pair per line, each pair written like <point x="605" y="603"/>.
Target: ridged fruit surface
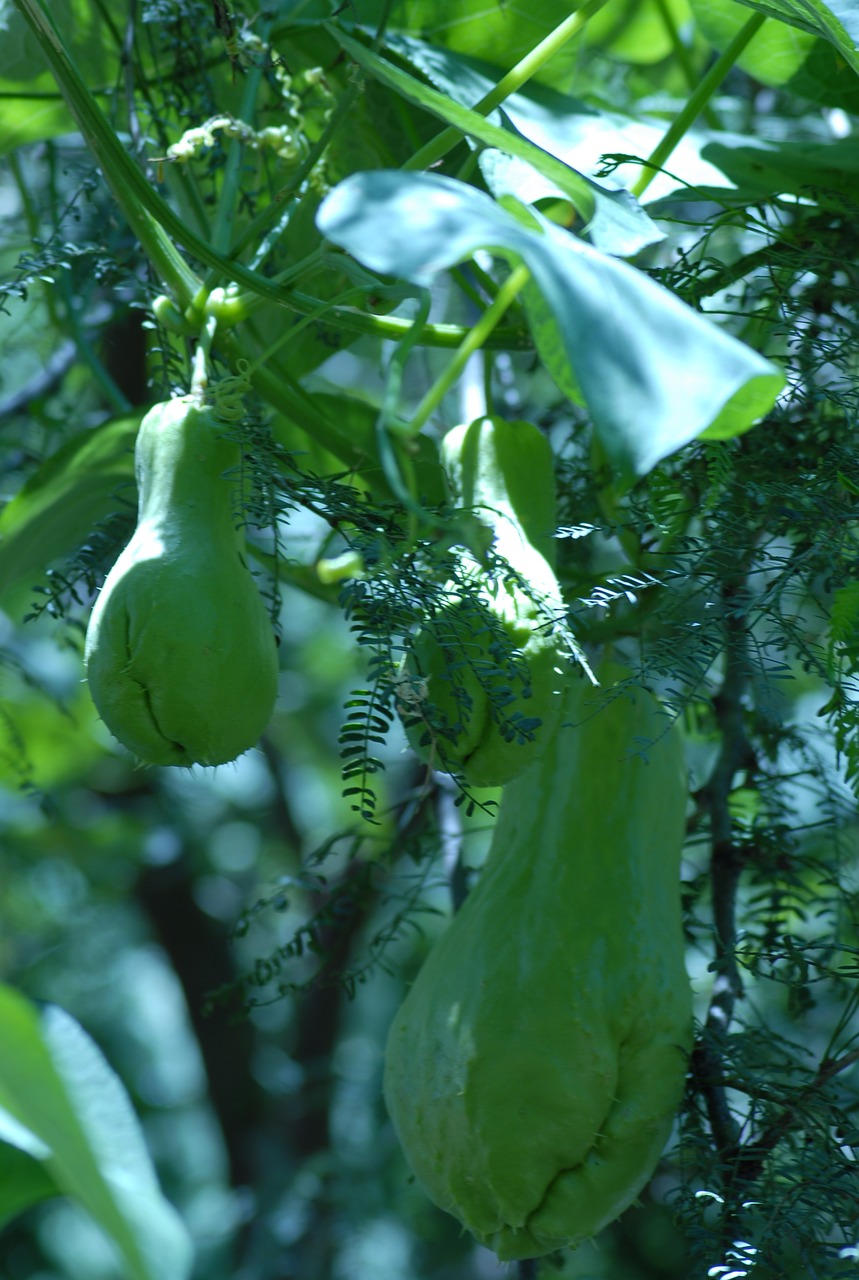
<point x="536" y="1065"/>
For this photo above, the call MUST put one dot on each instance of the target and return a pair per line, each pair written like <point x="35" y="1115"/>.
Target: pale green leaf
<point x="573" y="131"/>
<point x="654" y="373"/>
<point x="614" y="221"/>
<point x="58" y="1090"/>
<point x="837" y="21"/>
<point x="825" y="172"/>
<point x="773" y="55"/>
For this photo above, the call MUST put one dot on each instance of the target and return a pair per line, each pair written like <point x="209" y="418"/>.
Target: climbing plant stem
<point x="474" y="340"/>
<point x="697" y="102"/>
<point x="525" y="69"/>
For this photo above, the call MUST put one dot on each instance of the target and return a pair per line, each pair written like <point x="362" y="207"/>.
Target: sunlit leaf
<point x="654" y="373"/>
<point x="837" y="22"/>
<point x="636" y="32"/>
<point x="572" y="130"/>
<point x="68" y="1106"/>
<point x="614" y="220"/>
<point x="501" y="31"/>
<point x="773" y="55"/>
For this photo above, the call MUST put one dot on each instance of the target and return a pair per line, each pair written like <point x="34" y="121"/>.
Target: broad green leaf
<point x="827" y="79"/>
<point x="773" y="55"/>
<point x="30" y="107"/>
<point x="508" y="175"/>
<point x="160" y="229"/>
<point x="837" y="21"/>
<point x="566" y="127"/>
<point x="24" y="1181"/>
<point x="501" y="31"/>
<point x="654" y="373"/>
<point x="57" y="1088"/>
<point x="85" y="480"/>
<point x="615" y="221"/>
<point x="549" y="341"/>
<point x="636" y="32"/>
<point x="750" y="403"/>
<point x="826" y="172"/>
<point x="464" y="79"/>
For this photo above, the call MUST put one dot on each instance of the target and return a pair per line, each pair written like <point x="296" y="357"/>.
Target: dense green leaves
<point x="502" y="33"/>
<point x="653" y="373"/>
<point x="614" y="221"/>
<point x="825" y="172"/>
<point x="773" y="55"/>
<point x="32" y="108"/>
<point x="89" y="477"/>
<point x="478" y="255"/>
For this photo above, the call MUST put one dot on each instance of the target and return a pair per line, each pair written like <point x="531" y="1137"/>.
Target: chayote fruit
<point x="535" y="1067"/>
<point x="180" y="652"/>
<point x="484" y="670"/>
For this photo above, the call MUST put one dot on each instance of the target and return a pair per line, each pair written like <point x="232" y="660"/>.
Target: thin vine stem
<point x="230" y="188"/>
<point x="681" y="53"/>
<point x="259" y="226"/>
<point x="154" y="222"/>
<point x="726" y="862"/>
<point x="696" y="103"/>
<point x="475" y="339"/>
<point x="265" y="219"/>
<point x="525" y="69"/>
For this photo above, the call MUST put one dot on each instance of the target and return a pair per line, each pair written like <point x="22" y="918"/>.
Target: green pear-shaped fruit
<point x="484" y="670"/>
<point x="536" y="1065"/>
<point x="180" y="652"/>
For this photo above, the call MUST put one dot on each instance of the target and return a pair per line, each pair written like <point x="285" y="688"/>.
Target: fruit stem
<point x="200" y="374"/>
<point x="474" y="339"/>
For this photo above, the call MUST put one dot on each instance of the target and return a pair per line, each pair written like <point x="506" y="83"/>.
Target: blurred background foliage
<point x="236" y="940"/>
